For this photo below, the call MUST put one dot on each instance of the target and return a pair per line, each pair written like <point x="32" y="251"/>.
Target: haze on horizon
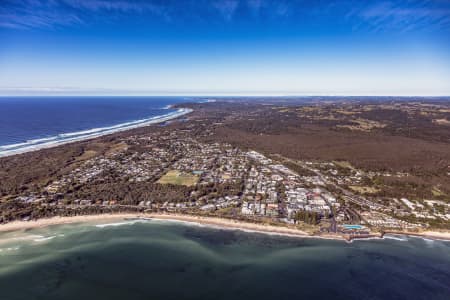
<point x="224" y="47"/>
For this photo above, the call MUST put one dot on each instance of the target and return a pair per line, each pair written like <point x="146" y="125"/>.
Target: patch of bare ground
<point x="441" y="121"/>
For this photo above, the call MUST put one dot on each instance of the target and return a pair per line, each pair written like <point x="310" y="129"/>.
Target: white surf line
<point x="116" y="224"/>
<point x="9" y="249"/>
<point x="364" y="239"/>
<point x="246" y="230"/>
<point x="43" y="239"/>
<point x="396" y="237"/>
<point x="37" y="144"/>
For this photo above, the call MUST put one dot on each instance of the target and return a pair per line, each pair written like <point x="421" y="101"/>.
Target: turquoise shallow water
<point x="166" y="260"/>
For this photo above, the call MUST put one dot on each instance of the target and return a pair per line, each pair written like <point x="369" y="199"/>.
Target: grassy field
<point x="437" y="192"/>
<point x="116" y="148"/>
<point x="343" y="164"/>
<point x="363" y="189"/>
<point x="178" y="178"/>
<point x="87" y="155"/>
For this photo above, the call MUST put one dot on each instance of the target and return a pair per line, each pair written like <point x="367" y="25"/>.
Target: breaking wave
<point x="63" y="138"/>
<point x="120" y="223"/>
<point x="9" y="249"/>
<point x="395" y="237"/>
<point x="46" y="238"/>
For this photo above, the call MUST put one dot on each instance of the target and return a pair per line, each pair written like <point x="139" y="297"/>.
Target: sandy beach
<point x="436" y="235"/>
<point x="201" y="220"/>
<point x="28" y="146"/>
<point x="429" y="234"/>
<point x="207" y="221"/>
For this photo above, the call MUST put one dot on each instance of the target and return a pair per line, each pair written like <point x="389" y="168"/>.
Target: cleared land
<point x="364" y="189"/>
<point x="177" y="178"/>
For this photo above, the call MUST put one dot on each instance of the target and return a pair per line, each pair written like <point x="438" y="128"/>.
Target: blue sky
<point x="224" y="47"/>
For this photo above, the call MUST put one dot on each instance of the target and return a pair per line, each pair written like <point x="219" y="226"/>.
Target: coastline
<point x="213" y="222"/>
<point x="428" y="234"/>
<point x="53" y="142"/>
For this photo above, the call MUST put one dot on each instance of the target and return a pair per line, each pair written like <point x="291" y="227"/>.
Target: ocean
<point x="170" y="260"/>
<point x="28" y="123"/>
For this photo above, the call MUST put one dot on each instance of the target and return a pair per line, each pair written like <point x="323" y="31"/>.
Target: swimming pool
<point x="347" y="226"/>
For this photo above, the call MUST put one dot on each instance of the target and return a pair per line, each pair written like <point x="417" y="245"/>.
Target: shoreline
<point x="199" y="220"/>
<point x="212" y="222"/>
<point x="106" y="131"/>
<point x="432" y="235"/>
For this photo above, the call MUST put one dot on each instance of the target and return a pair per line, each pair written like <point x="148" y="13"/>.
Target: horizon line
<point x="224" y="95"/>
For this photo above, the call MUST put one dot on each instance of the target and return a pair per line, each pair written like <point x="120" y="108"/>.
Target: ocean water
<point x="33" y="122"/>
<point x="167" y="260"/>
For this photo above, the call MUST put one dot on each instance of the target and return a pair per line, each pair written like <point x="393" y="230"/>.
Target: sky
<point x="225" y="47"/>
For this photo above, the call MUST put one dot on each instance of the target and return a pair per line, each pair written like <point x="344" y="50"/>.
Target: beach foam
<point x="120" y="223"/>
<point x="9" y="249"/>
<point x="395" y="237"/>
<point x="43" y="239"/>
<point x="63" y="138"/>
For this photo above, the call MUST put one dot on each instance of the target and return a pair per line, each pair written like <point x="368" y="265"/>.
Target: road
<point x="348" y="195"/>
